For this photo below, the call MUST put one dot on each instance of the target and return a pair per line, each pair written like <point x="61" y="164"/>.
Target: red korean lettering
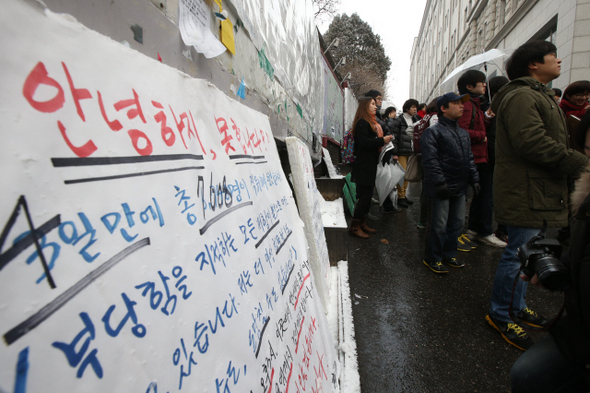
<point x="167" y="134"/>
<point x="78" y="94"/>
<point x="134" y="112"/>
<point x="37" y="77"/>
<point x="83" y="151"/>
<point x="114" y="125"/>
<point x="226" y="141"/>
<point x="136" y="136"/>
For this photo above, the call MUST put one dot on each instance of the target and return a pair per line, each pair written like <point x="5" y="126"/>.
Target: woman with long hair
<point x="368" y="141"/>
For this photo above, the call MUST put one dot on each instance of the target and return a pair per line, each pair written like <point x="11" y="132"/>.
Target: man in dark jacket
<point x="533" y="163"/>
<point x="448" y="169"/>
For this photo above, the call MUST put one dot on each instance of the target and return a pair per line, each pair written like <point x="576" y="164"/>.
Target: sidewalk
<point x="420" y="332"/>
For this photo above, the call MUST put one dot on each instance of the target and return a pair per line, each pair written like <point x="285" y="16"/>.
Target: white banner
<point x="150" y="241"/>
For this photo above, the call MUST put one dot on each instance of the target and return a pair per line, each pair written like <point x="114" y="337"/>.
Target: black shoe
<point x="453" y="262"/>
<point x="468" y="239"/>
<point x="531" y="318"/>
<point x="436" y="267"/>
<point x="512" y="333"/>
<point x="402" y="202"/>
<point x="392" y="209"/>
<point x="462" y="245"/>
<point x="409" y="201"/>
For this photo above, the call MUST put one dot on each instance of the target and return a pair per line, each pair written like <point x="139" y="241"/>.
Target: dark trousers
<point x="447" y="218"/>
<point x="481" y="212"/>
<point x="363" y="201"/>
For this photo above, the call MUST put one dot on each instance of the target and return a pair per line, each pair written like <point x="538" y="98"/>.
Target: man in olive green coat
<point x="533" y="163"/>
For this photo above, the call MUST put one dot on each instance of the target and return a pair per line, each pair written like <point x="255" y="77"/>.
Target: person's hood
<point x="518" y="83"/>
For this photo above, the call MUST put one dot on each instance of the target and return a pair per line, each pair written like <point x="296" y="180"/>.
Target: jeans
<point x="508" y="268"/>
<point x="543" y="369"/>
<point x="447" y="218"/>
<point x="482" y="205"/>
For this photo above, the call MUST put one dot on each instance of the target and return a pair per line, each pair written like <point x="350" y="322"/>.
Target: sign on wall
<point x="150" y="241"/>
<point x="308" y="201"/>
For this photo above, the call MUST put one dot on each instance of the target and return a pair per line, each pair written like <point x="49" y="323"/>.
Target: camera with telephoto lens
<point x="540" y="256"/>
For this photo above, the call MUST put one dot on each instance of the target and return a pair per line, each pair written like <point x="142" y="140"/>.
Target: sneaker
<point x="512" y="333"/>
<point x="531" y="318"/>
<point x="492" y="240"/>
<point x="402" y="202"/>
<point x="421" y="225"/>
<point x="436" y="267"/>
<point x="453" y="262"/>
<point x="469" y="241"/>
<point x="462" y="245"/>
<point x="375" y="201"/>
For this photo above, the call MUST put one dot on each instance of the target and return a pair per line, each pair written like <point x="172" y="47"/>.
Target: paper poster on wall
<point x="308" y="200"/>
<point x="150" y="241"/>
<point x="194" y="20"/>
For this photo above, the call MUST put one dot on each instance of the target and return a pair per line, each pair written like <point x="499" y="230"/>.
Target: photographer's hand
<point x="534" y="280"/>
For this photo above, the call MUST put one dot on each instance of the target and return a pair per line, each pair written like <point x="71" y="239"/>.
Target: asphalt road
<point x="421" y="332"/>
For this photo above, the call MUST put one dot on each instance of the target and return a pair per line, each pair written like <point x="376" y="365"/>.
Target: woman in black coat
<point x="368" y="141"/>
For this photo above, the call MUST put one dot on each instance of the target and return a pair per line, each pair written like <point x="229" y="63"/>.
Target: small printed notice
<point x="194" y="23"/>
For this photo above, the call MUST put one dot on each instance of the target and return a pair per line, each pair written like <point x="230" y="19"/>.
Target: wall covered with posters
<point x="150" y="241"/>
<point x="276" y="66"/>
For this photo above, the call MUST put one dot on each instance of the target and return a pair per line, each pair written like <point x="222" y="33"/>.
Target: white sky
<point x="397" y="22"/>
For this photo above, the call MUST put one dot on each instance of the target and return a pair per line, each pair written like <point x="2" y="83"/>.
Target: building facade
<point x="454" y="30"/>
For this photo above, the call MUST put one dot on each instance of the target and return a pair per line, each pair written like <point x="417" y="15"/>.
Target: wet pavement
<point x="421" y="332"/>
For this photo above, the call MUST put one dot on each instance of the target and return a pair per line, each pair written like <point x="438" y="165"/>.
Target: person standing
<point x="561" y="361"/>
<point x="408" y="119"/>
<point x="575" y="99"/>
<point x="533" y="163"/>
<point x="448" y="170"/>
<point x="368" y="140"/>
<point x="481" y="211"/>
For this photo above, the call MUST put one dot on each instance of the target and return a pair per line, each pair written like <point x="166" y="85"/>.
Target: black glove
<point x="476" y="189"/>
<point x="442" y="191"/>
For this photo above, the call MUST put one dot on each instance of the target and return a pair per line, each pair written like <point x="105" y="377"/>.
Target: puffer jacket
<point x="366" y="151"/>
<point x="572" y="332"/>
<point x="533" y="159"/>
<point x="402" y="142"/>
<point x="447" y="158"/>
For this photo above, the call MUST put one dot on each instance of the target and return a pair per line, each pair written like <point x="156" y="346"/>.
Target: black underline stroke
<point x="35" y="320"/>
<point x="90" y="161"/>
<point x="287" y="238"/>
<point x="115" y="177"/>
<point x="267" y="232"/>
<point x="240" y="156"/>
<point x="221" y="215"/>
<point x="262" y="334"/>
<point x="288" y="278"/>
<point x="251" y="163"/>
